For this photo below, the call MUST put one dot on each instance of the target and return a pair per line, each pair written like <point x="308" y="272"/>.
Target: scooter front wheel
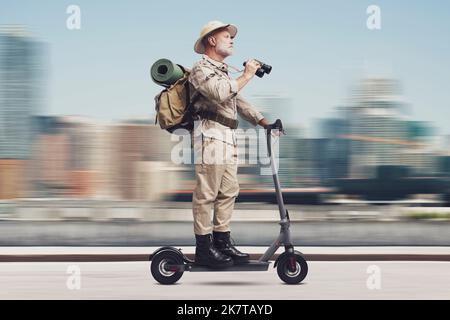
<point x="292" y="268"/>
<point x="163" y="267"/>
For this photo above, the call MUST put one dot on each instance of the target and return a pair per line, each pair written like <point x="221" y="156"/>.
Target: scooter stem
<point x="278" y="126"/>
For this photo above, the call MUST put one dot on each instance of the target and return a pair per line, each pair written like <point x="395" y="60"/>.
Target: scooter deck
<point x="252" y="265"/>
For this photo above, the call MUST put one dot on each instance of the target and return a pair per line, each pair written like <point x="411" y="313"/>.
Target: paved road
<point x="131" y="280"/>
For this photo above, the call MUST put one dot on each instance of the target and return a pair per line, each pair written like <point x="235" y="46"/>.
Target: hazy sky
<point x="317" y="49"/>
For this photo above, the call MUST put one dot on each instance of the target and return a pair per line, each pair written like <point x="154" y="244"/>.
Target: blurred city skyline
<point x="368" y="144"/>
<point x="94" y="143"/>
<point x="318" y="50"/>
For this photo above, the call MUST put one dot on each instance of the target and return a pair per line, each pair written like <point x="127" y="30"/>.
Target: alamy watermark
<point x="214" y="146"/>
<point x="74" y="279"/>
<point x="373" y="282"/>
<point x="73" y="22"/>
<point x="374" y="20"/>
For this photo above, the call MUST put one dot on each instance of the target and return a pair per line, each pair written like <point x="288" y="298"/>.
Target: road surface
<point x="132" y="280"/>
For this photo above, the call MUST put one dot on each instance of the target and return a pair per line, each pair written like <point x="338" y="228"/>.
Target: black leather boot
<point x="207" y="255"/>
<point x="223" y="243"/>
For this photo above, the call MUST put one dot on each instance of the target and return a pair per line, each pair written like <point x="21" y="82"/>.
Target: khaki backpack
<point x="174" y="107"/>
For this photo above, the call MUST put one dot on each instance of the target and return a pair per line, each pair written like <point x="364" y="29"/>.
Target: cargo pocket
<point x="212" y="151"/>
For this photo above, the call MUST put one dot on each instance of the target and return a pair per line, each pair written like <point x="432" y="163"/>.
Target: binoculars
<point x="265" y="68"/>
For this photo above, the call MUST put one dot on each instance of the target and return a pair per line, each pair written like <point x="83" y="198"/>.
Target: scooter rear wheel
<point x="161" y="272"/>
<point x="292" y="268"/>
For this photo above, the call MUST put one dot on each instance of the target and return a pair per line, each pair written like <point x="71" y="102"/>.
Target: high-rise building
<point x="143" y="163"/>
<point x="21" y="90"/>
<point x="378" y="130"/>
<point x="21" y="97"/>
<point x="62" y="159"/>
<point x="374" y="131"/>
<point x="334" y="153"/>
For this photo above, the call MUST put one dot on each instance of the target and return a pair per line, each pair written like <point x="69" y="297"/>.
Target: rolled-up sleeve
<point x="247" y="111"/>
<point x="211" y="85"/>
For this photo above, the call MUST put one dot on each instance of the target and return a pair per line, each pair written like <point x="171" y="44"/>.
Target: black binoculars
<point x="265" y="68"/>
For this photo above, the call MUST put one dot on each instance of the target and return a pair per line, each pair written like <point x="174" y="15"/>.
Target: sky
<point x="318" y="49"/>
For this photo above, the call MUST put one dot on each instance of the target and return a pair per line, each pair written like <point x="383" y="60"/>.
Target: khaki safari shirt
<point x="219" y="93"/>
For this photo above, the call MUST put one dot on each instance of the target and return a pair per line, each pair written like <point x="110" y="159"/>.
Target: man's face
<point x="224" y="43"/>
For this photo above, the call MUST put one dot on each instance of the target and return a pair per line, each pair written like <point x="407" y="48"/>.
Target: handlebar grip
<point x="276" y="125"/>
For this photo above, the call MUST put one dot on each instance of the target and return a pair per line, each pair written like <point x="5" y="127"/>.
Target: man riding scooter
<point x="218" y="105"/>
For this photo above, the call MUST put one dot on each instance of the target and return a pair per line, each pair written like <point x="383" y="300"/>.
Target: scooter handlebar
<point x="277" y="125"/>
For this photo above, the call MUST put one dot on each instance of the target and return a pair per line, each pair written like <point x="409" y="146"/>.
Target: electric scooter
<point x="168" y="264"/>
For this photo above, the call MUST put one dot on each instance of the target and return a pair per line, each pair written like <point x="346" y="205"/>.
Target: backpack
<point x="174" y="107"/>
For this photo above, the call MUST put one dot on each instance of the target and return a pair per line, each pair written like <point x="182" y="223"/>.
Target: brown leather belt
<point x="228" y="122"/>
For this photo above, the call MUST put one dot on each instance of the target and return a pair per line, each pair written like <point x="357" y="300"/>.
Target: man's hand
<point x="251" y="66"/>
<point x="266" y="125"/>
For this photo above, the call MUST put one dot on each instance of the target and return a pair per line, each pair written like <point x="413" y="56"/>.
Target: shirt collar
<point x="220" y="65"/>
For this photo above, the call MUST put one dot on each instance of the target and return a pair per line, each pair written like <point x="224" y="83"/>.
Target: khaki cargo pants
<point x="216" y="186"/>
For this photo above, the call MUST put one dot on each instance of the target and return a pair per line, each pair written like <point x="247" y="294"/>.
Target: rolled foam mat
<point x="166" y="72"/>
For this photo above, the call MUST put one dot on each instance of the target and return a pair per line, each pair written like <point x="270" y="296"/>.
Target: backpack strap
<point x="210" y="115"/>
<point x="197" y="95"/>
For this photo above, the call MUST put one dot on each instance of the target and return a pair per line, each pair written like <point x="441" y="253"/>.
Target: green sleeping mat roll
<point x="165" y="72"/>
